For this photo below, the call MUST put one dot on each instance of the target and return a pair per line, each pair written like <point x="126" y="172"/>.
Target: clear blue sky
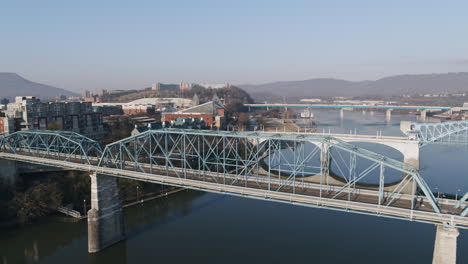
<point x="130" y="44"/>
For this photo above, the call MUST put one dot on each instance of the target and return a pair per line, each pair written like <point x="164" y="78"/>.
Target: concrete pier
<point x="445" y="246"/>
<point x="388" y="115"/>
<point x="423" y="115"/>
<point x="105" y="219"/>
<point x="8" y="173"/>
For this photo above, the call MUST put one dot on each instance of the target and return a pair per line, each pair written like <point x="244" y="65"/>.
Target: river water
<point x="198" y="227"/>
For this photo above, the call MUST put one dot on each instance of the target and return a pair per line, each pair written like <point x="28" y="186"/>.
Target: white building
<point x="311" y="100"/>
<point x="215" y="85"/>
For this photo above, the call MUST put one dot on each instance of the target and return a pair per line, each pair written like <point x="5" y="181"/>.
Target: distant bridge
<point x="388" y="108"/>
<point x="338" y="106"/>
<point x="309" y="170"/>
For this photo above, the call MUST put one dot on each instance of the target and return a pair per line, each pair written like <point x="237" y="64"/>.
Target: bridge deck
<point x="409" y="207"/>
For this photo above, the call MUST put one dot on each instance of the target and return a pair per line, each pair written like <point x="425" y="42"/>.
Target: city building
<point x="69" y="116"/>
<point x="136" y="109"/>
<point x="186" y="123"/>
<point x="212" y="113"/>
<point x="159" y="102"/>
<point x="215" y="85"/>
<point x="7" y="125"/>
<point x="195" y="100"/>
<point x="186" y="86"/>
<point x="146" y="106"/>
<point x="108" y="110"/>
<point x="165" y="87"/>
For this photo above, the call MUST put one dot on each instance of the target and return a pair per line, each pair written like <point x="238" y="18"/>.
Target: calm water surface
<point x="200" y="227"/>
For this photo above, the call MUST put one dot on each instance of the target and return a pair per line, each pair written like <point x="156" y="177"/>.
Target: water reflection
<point x="55" y="237"/>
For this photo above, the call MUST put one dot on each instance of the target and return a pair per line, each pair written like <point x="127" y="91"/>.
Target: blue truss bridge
<point x="453" y="132"/>
<point x="309" y="170"/>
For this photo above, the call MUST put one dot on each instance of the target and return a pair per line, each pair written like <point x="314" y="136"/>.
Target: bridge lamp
<point x="84" y="206"/>
<point x="137" y="193"/>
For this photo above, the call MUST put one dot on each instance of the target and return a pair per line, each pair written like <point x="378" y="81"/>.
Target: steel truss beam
<point x="273" y="162"/>
<point x="314" y="165"/>
<point x="448" y="132"/>
<point x="319" y="166"/>
<point x="62" y="145"/>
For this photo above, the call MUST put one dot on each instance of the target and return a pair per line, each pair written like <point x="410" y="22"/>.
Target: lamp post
<point x="84" y="206"/>
<point x="137" y="193"/>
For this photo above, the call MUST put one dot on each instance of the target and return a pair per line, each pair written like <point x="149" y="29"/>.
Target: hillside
<point x="394" y="85"/>
<point x="11" y="85"/>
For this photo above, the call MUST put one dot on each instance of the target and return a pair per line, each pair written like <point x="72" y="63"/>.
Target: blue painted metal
<point x="465" y="212"/>
<point x="462" y="200"/>
<point x="352" y="106"/>
<point x="426" y="133"/>
<point x="242" y="156"/>
<point x="264" y="161"/>
<point x="64" y="145"/>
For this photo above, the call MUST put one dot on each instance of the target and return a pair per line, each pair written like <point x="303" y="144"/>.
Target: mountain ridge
<point x="12" y="84"/>
<point x="386" y="86"/>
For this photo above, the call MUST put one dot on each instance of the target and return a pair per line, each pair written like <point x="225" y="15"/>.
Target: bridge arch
<point x="409" y="149"/>
<point x="61" y="145"/>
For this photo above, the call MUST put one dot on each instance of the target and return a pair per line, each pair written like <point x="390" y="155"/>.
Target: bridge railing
<point x="298" y="164"/>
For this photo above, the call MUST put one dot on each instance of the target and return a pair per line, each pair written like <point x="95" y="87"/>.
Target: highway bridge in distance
<point x="388" y="108"/>
<point x="310" y="170"/>
<point x="338" y="106"/>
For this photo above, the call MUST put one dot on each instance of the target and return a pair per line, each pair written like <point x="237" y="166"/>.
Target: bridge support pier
<point x="411" y="155"/>
<point x="388" y="115"/>
<point x="423" y="115"/>
<point x="445" y="246"/>
<point x="342" y="113"/>
<point x="8" y="173"/>
<point x="105" y="219"/>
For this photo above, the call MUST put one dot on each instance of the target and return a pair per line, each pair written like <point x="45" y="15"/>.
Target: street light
<point x="137" y="193"/>
<point x="84" y="206"/>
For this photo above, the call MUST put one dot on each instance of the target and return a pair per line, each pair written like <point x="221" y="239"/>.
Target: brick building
<point x="7" y="125"/>
<point x="135" y="109"/>
<point x="212" y="113"/>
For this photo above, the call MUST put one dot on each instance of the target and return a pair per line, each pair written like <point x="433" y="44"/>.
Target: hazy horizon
<point x="122" y="45"/>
